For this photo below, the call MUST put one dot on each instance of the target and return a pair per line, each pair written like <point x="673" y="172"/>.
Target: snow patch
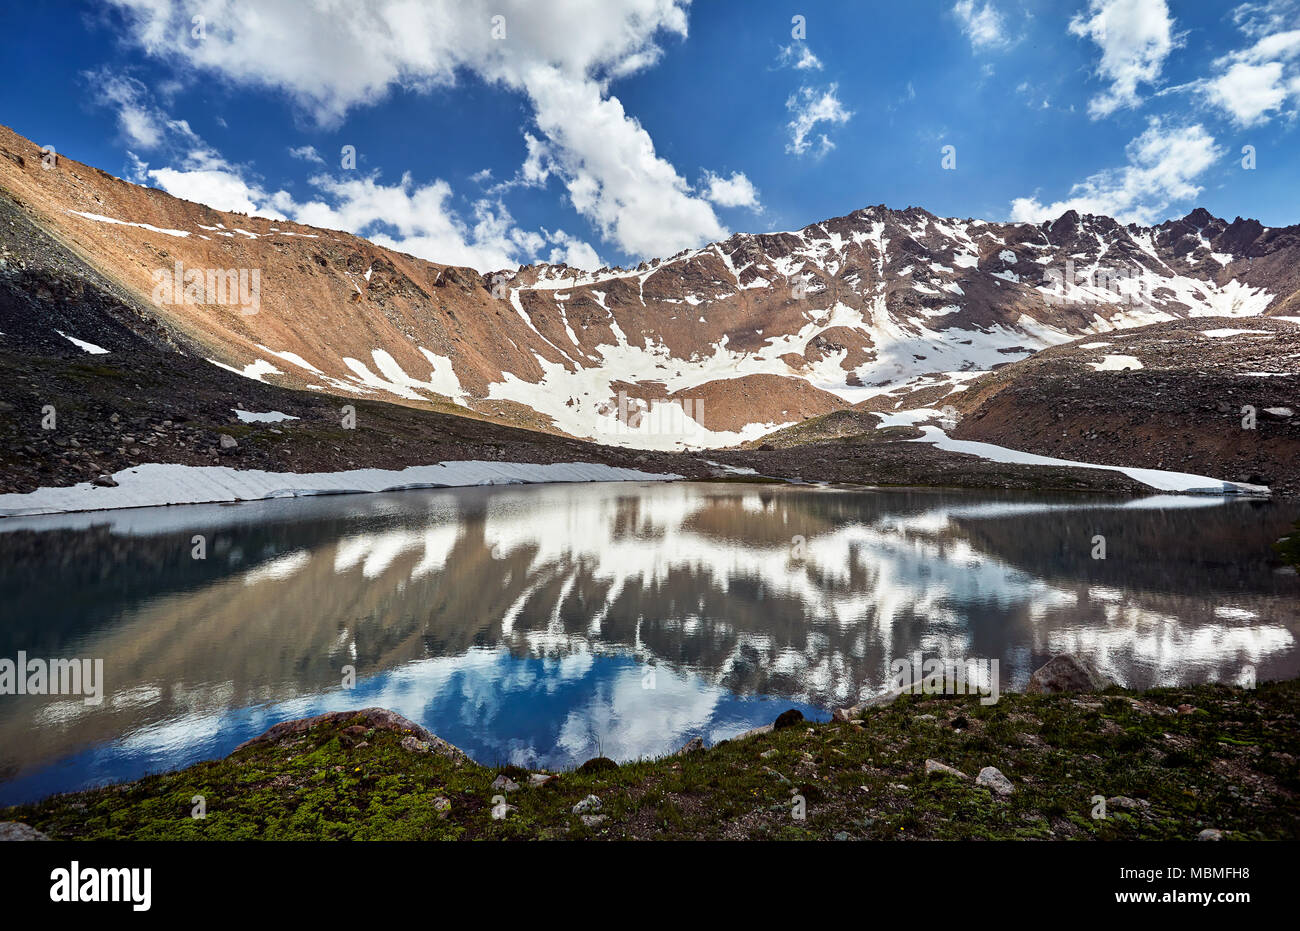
<point x="155" y="484"/>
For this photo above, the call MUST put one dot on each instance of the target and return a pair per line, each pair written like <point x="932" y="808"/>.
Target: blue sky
<point x="606" y="131"/>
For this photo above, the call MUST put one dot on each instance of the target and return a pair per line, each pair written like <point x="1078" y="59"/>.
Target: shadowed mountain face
<point x="706" y="348"/>
<point x="545" y="625"/>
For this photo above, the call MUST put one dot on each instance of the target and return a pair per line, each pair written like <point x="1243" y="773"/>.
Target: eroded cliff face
<point x="711" y="347"/>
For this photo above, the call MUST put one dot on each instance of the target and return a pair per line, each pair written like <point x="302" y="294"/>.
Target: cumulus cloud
<point x="1135" y="38"/>
<point x="330" y="58"/>
<point x="797" y="55"/>
<point x="982" y="24"/>
<point x="307" y="153"/>
<point x="569" y="250"/>
<point x="811" y="107"/>
<point x="736" y="191"/>
<point x="419" y="219"/>
<point x="1253" y="84"/>
<point x="1163" y="165"/>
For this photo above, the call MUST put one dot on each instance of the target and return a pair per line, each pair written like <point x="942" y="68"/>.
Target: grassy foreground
<point x="1229" y="762"/>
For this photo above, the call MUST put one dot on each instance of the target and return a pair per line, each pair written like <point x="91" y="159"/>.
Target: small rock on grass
<point x="593" y="821"/>
<point x="504" y="783"/>
<point x="1123" y="801"/>
<point x="991" y="778"/>
<point x="1210" y="834"/>
<point x="539" y="779"/>
<point x="589" y="804"/>
<point x="934" y="766"/>
<point x="691" y="746"/>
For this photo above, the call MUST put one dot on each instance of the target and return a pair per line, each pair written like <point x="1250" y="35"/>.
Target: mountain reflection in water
<point x="544" y="625"/>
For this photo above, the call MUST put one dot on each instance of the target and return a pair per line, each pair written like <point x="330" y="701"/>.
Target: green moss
<point x="1229" y="764"/>
<point x="1288" y="548"/>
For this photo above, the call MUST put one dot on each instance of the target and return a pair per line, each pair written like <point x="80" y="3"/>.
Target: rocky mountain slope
<point x="708" y="348"/>
<point x="1208" y="395"/>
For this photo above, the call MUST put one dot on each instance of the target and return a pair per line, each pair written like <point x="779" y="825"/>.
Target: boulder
<point x="597" y="764"/>
<point x="1066" y="672"/>
<point x="693" y="745"/>
<point x="16" y="830"/>
<point x="991" y="778"/>
<point x="591" y="803"/>
<point x="786" y="719"/>
<point x="504" y="783"/>
<point x="934" y="766"/>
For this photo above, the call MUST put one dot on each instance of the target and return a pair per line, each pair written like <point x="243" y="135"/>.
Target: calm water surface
<point x="528" y="624"/>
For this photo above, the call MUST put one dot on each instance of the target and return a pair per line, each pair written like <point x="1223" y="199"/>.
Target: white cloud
<point x="418" y="219"/>
<point x="573" y="252"/>
<point x="612" y="173"/>
<point x="736" y="191"/>
<point x="798" y="56"/>
<point x="330" y="57"/>
<point x="141" y="123"/>
<point x="1135" y="37"/>
<point x="811" y="107"/>
<point x="307" y="153"/>
<point x="1163" y="164"/>
<point x="984" y="26"/>
<point x="1253" y="84"/>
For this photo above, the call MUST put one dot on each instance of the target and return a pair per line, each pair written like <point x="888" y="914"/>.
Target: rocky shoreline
<point x="1073" y="757"/>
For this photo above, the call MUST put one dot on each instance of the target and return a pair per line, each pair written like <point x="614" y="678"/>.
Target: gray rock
<point x="1130" y="804"/>
<point x="691" y="746"/>
<point x="855" y="711"/>
<point x="227" y="441"/>
<point x="593" y="821"/>
<point x="991" y="778"/>
<point x="1210" y="834"/>
<point x="1066" y="672"/>
<point x="539" y="779"/>
<point x="414" y="745"/>
<point x="504" y="783"/>
<point x="442" y="804"/>
<point x="934" y="766"/>
<point x="589" y="804"/>
<point x="16" y="830"/>
<point x="104" y="481"/>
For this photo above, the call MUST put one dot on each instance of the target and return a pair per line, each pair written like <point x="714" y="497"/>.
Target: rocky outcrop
<point x="17" y="831"/>
<point x="1066" y="672"/>
<point x="380" y="719"/>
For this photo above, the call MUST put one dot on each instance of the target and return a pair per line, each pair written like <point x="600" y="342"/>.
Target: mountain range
<point x="1079" y="337"/>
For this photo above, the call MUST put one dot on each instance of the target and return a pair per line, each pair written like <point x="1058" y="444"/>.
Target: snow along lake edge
<point x="158" y="484"/>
